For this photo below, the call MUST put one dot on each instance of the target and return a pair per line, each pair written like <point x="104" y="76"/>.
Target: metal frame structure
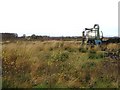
<point x="92" y="39"/>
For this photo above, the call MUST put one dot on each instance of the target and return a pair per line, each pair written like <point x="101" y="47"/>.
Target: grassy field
<point x="57" y="64"/>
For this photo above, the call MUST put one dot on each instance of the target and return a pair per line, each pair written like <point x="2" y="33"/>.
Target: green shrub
<point x="60" y="56"/>
<point x="92" y="54"/>
<point x="69" y="49"/>
<point x="89" y="65"/>
<point x="100" y="54"/>
<point x="83" y="50"/>
<point x="92" y="51"/>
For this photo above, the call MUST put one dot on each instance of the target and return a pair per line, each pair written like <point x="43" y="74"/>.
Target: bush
<point x="60" y="56"/>
<point x="69" y="49"/>
<point x="92" y="54"/>
<point x="83" y="50"/>
<point x="100" y="54"/>
<point x="89" y="65"/>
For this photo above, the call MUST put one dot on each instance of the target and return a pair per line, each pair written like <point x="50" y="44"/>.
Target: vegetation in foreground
<point x="58" y="64"/>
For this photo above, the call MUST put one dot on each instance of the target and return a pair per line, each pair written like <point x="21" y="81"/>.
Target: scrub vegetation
<point x="58" y="64"/>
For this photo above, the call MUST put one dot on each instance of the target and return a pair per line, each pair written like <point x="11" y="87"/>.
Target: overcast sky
<point x="58" y="17"/>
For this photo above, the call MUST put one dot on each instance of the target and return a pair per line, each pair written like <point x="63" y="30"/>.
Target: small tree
<point x="24" y="36"/>
<point x="33" y="36"/>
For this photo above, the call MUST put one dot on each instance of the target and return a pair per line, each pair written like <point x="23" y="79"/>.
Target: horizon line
<point x="54" y="35"/>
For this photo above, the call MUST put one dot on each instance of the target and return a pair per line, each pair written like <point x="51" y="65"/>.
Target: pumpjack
<point x="92" y="36"/>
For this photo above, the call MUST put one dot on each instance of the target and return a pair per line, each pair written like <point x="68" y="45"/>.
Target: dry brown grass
<point x="113" y="46"/>
<point x="57" y="64"/>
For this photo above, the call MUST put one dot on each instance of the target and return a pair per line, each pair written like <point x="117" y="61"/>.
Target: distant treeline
<point x="14" y="36"/>
<point x="9" y="36"/>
